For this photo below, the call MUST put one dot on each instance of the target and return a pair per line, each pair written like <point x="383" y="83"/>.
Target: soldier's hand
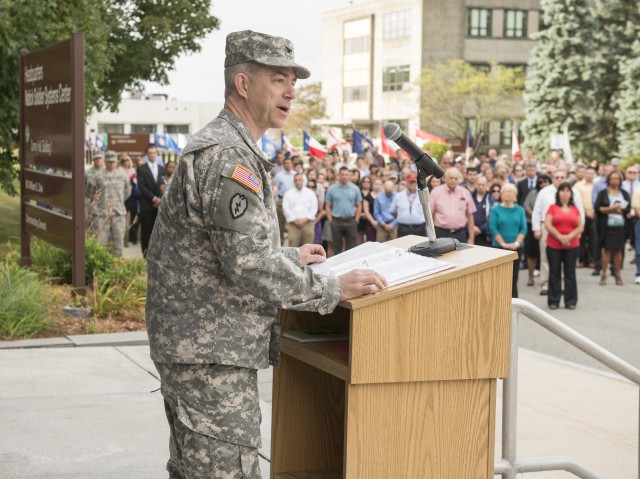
<point x="360" y="282"/>
<point x="312" y="253"/>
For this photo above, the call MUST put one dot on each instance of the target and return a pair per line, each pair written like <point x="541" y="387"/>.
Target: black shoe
<point x="544" y="292"/>
<point x="595" y="272"/>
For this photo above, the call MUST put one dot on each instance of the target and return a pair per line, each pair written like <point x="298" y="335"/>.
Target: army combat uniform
<point x="90" y="191"/>
<point x="216" y="277"/>
<point x="107" y="220"/>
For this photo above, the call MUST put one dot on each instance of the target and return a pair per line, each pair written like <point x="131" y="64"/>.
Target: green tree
<point x="126" y="42"/>
<point x="560" y="79"/>
<point x="454" y="92"/>
<point x="628" y="112"/>
<point x="618" y="27"/>
<point x="308" y="105"/>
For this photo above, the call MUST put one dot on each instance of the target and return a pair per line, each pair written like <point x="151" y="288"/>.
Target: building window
<point x="171" y="129"/>
<point x="137" y="128"/>
<point x="482" y="67"/>
<point x="396" y="25"/>
<point x="356" y="45"/>
<point x="515" y="23"/>
<point x="113" y="128"/>
<point x="505" y="132"/>
<point x="356" y="93"/>
<point x="395" y="78"/>
<point x="479" y="22"/>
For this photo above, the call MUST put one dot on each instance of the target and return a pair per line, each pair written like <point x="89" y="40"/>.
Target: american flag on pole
<point x="246" y="178"/>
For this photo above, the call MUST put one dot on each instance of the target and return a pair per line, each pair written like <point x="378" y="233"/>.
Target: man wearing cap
<point x="408" y="211"/>
<point x="217" y="273"/>
<point x="109" y="214"/>
<point x="386" y="229"/>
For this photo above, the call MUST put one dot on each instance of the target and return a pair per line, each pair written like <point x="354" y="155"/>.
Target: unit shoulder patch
<point x="237" y="205"/>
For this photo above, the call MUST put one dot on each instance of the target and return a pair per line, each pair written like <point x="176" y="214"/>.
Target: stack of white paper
<point x="395" y="264"/>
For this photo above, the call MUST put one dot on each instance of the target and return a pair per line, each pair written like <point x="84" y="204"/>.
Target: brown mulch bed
<point x="59" y="296"/>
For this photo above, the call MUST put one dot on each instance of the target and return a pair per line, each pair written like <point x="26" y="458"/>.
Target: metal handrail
<point x="509" y="466"/>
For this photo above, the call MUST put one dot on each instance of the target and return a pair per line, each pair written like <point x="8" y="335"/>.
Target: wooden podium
<point x="412" y="395"/>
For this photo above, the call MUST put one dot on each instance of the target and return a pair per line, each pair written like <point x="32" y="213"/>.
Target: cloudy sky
<point x="199" y="77"/>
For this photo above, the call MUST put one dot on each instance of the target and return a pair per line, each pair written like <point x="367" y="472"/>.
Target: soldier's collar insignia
<point x="247" y="178"/>
<point x="238" y="205"/>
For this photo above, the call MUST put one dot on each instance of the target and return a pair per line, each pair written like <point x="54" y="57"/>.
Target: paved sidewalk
<point x="94" y="412"/>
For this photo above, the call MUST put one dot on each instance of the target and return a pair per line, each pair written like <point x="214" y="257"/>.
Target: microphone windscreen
<point x="392" y="131"/>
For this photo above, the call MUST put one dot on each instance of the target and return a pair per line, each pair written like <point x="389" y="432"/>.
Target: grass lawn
<point x="9" y="222"/>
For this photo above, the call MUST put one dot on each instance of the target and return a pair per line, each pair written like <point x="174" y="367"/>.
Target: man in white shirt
<point x="300" y="206"/>
<point x="408" y="211"/>
<point x="546" y="198"/>
<point x="284" y="183"/>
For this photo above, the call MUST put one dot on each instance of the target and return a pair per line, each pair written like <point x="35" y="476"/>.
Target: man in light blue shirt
<point x="408" y="211"/>
<point x="601" y="182"/>
<point x="386" y="229"/>
<point x="343" y="203"/>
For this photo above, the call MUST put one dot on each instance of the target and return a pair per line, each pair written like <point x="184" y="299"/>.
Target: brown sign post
<point x="51" y="150"/>
<point x="133" y="144"/>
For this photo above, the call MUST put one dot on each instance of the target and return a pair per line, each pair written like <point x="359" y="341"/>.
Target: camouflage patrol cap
<point x="111" y="156"/>
<point x="249" y="46"/>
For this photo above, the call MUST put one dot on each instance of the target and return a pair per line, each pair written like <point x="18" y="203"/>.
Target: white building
<point x="153" y="114"/>
<point x="374" y="52"/>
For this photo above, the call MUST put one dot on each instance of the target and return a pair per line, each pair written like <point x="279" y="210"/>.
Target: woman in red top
<point x="564" y="224"/>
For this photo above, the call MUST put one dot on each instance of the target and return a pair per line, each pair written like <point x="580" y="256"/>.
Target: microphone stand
<point x="425" y="198"/>
<point x="434" y="247"/>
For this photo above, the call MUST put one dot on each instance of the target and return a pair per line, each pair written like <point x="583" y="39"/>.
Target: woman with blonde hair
<point x="508" y="225"/>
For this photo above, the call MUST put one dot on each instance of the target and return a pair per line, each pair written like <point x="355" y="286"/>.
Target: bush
<point x="23" y="312"/>
<point x="56" y="263"/>
<point x="118" y="284"/>
<point x="112" y="299"/>
<point x="437" y="149"/>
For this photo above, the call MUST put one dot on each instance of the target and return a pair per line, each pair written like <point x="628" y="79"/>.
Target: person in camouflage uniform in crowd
<point x="90" y="184"/>
<point x="108" y="213"/>
<point x="217" y="273"/>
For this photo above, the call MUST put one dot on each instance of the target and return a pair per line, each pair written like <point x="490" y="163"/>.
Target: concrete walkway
<point x="95" y="412"/>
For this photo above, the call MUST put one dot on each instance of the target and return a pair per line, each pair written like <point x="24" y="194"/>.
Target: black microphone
<point x="423" y="161"/>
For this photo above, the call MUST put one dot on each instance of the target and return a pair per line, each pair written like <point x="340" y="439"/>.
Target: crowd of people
<point x="557" y="216"/>
<point x="122" y="200"/>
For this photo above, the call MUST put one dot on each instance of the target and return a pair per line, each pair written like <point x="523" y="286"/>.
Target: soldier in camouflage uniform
<point x="217" y="273"/>
<point x="108" y="212"/>
<point x="90" y="184"/>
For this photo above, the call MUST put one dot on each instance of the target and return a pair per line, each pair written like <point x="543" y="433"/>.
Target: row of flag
<point x="360" y="143"/>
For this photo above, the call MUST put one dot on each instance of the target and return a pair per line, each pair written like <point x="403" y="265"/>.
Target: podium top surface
<point x="476" y="258"/>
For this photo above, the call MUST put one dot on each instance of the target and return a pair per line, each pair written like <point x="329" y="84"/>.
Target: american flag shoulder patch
<point x="247" y="178"/>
